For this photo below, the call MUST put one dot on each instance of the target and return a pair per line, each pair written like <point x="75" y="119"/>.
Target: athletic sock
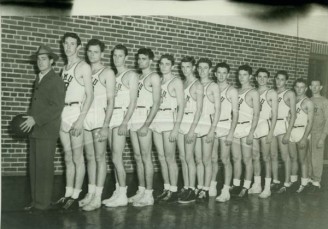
<point x="141" y="188"/>
<point x="236" y="182"/>
<point x="276" y="181"/>
<point x="199" y="187"/>
<point x="173" y="188"/>
<point x="117" y="186"/>
<point x="192" y="188"/>
<point x="257" y="180"/>
<point x="148" y="192"/>
<point x="206" y="188"/>
<point x="267" y="183"/>
<point x="68" y="191"/>
<point x="287" y="184"/>
<point x="213" y="184"/>
<point x="247" y="184"/>
<point x="304" y="181"/>
<point x="76" y="193"/>
<point x="167" y="186"/>
<point x="185" y="187"/>
<point x="225" y="188"/>
<point x="91" y="188"/>
<point x="99" y="191"/>
<point x="293" y="178"/>
<point x="316" y="183"/>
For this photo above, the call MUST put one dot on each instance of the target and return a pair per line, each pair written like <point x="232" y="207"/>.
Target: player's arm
<point x="309" y="106"/>
<point x="256" y="114"/>
<point x="215" y="91"/>
<point x="292" y="103"/>
<point x="273" y="96"/>
<point x="179" y="94"/>
<point x="233" y="96"/>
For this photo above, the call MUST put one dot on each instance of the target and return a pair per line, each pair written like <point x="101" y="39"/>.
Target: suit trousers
<point x="316" y="156"/>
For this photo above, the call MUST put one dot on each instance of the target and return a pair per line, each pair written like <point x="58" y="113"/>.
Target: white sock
<point x="247" y="184"/>
<point x="192" y="188"/>
<point x="76" y="193"/>
<point x="236" y="182"/>
<point x="316" y="183"/>
<point x="293" y="178"/>
<point x="141" y="189"/>
<point x="167" y="186"/>
<point x="276" y="182"/>
<point x="68" y="191"/>
<point x="91" y="188"/>
<point x="173" y="188"/>
<point x="206" y="188"/>
<point x="225" y="188"/>
<point x="123" y="190"/>
<point x="304" y="181"/>
<point x="213" y="184"/>
<point x="199" y="187"/>
<point x="287" y="184"/>
<point x="185" y="187"/>
<point x="148" y="192"/>
<point x="257" y="180"/>
<point x="117" y="186"/>
<point x="99" y="191"/>
<point x="267" y="184"/>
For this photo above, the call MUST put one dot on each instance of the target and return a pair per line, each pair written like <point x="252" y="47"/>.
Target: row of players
<point x="196" y="114"/>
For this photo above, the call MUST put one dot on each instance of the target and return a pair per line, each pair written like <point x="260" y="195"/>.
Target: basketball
<point x="15" y="126"/>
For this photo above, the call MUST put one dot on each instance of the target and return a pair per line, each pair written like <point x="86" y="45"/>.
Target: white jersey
<point x="265" y="108"/>
<point x="301" y="116"/>
<point x="122" y="92"/>
<point x="75" y="91"/>
<point x="99" y="91"/>
<point x="245" y="111"/>
<point x="283" y="108"/>
<point x="190" y="103"/>
<point x="226" y="106"/>
<point x="168" y="101"/>
<point x="145" y="96"/>
<point x="208" y="106"/>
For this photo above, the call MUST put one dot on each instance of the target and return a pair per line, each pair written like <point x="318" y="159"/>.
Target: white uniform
<point x="166" y="115"/>
<point x="75" y="95"/>
<point x="206" y="119"/>
<point x="300" y="123"/>
<point x="283" y="113"/>
<point x="224" y="123"/>
<point x="245" y="117"/>
<point x="122" y="102"/>
<point x="97" y="112"/>
<point x="263" y="126"/>
<point x="144" y="103"/>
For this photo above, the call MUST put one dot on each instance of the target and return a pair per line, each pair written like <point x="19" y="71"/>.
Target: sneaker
<point x="119" y="201"/>
<point x="136" y="197"/>
<point x="189" y="198"/>
<point x="265" y="194"/>
<point x="202" y="196"/>
<point x="86" y="200"/>
<point x="111" y="199"/>
<point x="94" y="204"/>
<point x="224" y="197"/>
<point x="283" y="190"/>
<point x="162" y="195"/>
<point x="144" y="201"/>
<point x="172" y="197"/>
<point x="243" y="193"/>
<point x="235" y="190"/>
<point x="183" y="192"/>
<point x="294" y="187"/>
<point x="255" y="189"/>
<point x="71" y="204"/>
<point x="304" y="189"/>
<point x="213" y="192"/>
<point x="59" y="203"/>
<point x="313" y="189"/>
<point x="274" y="187"/>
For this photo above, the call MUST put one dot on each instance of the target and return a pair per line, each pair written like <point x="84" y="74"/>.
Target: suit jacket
<point x="47" y="105"/>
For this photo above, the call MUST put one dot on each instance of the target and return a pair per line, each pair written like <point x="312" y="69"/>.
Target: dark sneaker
<point x="71" y="204"/>
<point x="243" y="193"/>
<point x="183" y="192"/>
<point x="294" y="187"/>
<point x="189" y="198"/>
<point x="274" y="187"/>
<point x="61" y="202"/>
<point x="284" y="190"/>
<point x="172" y="197"/>
<point x="313" y="189"/>
<point x="304" y="189"/>
<point x="203" y="196"/>
<point x="162" y="195"/>
<point x="235" y="190"/>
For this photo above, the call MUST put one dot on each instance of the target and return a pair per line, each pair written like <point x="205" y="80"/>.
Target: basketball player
<point x="300" y="134"/>
<point x="264" y="133"/>
<point x="318" y="134"/>
<point x="225" y="131"/>
<point x="96" y="124"/>
<point x="167" y="124"/>
<point x="126" y="92"/>
<point x="79" y="96"/>
<point x="149" y="94"/>
<point x="249" y="110"/>
<point x="207" y="125"/>
<point x="189" y="129"/>
<point x="282" y="131"/>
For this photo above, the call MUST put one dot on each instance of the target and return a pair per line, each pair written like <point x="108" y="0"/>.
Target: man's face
<point x="165" y="66"/>
<point x="94" y="53"/>
<point x="203" y="70"/>
<point x="44" y="63"/>
<point x="262" y="78"/>
<point x="244" y="77"/>
<point x="300" y="88"/>
<point x="70" y="46"/>
<point x="221" y="74"/>
<point x="119" y="58"/>
<point x="187" y="68"/>
<point x="281" y="81"/>
<point x="144" y="61"/>
<point x="315" y="87"/>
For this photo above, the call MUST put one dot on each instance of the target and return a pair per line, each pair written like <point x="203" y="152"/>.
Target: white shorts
<point x="186" y="122"/>
<point x="242" y="129"/>
<point x="163" y="121"/>
<point x="204" y="125"/>
<point x="297" y="133"/>
<point x="281" y="127"/>
<point x="69" y="115"/>
<point x="262" y="129"/>
<point x="223" y="128"/>
<point x="117" y="118"/>
<point x="138" y="118"/>
<point x="94" y="119"/>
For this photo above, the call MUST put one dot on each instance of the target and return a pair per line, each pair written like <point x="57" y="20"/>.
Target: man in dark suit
<point x="43" y="120"/>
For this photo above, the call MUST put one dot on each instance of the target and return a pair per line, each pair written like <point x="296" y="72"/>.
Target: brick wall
<point x="22" y="35"/>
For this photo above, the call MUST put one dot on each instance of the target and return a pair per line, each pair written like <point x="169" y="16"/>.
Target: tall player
<point x="149" y="95"/>
<point x="126" y="92"/>
<point x="167" y="124"/>
<point x="207" y="125"/>
<point x="79" y="96"/>
<point x="285" y="122"/>
<point x="189" y="128"/>
<point x="96" y="124"/>
<point x="225" y="131"/>
<point x="263" y="134"/>
<point x="249" y="110"/>
<point x="300" y="134"/>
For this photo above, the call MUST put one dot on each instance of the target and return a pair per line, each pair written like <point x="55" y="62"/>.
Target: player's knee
<point x="247" y="159"/>
<point x="256" y="156"/>
<point x="99" y="157"/>
<point x="207" y="162"/>
<point x="137" y="157"/>
<point x="90" y="157"/>
<point x="170" y="158"/>
<point x="236" y="158"/>
<point x="116" y="160"/>
<point x="78" y="159"/>
<point x="161" y="158"/>
<point x="266" y="158"/>
<point x="225" y="160"/>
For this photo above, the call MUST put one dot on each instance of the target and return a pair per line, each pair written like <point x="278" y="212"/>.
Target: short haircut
<point x="167" y="56"/>
<point x="262" y="70"/>
<point x="205" y="60"/>
<point x="222" y="65"/>
<point x="246" y="68"/>
<point x="282" y="72"/>
<point x="147" y="52"/>
<point x="72" y="35"/>
<point x="121" y="47"/>
<point x="317" y="80"/>
<point x="94" y="42"/>
<point x="188" y="59"/>
<point x="300" y="80"/>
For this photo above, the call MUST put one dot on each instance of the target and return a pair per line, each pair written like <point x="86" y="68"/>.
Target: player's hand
<point x="269" y="138"/>
<point x="102" y="134"/>
<point x="285" y="139"/>
<point x="302" y="143"/>
<point x="28" y="124"/>
<point x="173" y="135"/>
<point x="228" y="140"/>
<point x="143" y="131"/>
<point x="77" y="128"/>
<point x="123" y="130"/>
<point x="190" y="136"/>
<point x="249" y="139"/>
<point x="210" y="136"/>
<point x="320" y="143"/>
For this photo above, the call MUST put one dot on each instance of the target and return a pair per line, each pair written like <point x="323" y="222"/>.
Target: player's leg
<point x="256" y="187"/>
<point x="274" y="164"/>
<point x="184" y="166"/>
<point x="284" y="149"/>
<point x="215" y="167"/>
<point x="265" y="148"/>
<point x="248" y="162"/>
<point x="303" y="159"/>
<point x="293" y="161"/>
<point x="316" y="159"/>
<point x="237" y="166"/>
<point x="199" y="165"/>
